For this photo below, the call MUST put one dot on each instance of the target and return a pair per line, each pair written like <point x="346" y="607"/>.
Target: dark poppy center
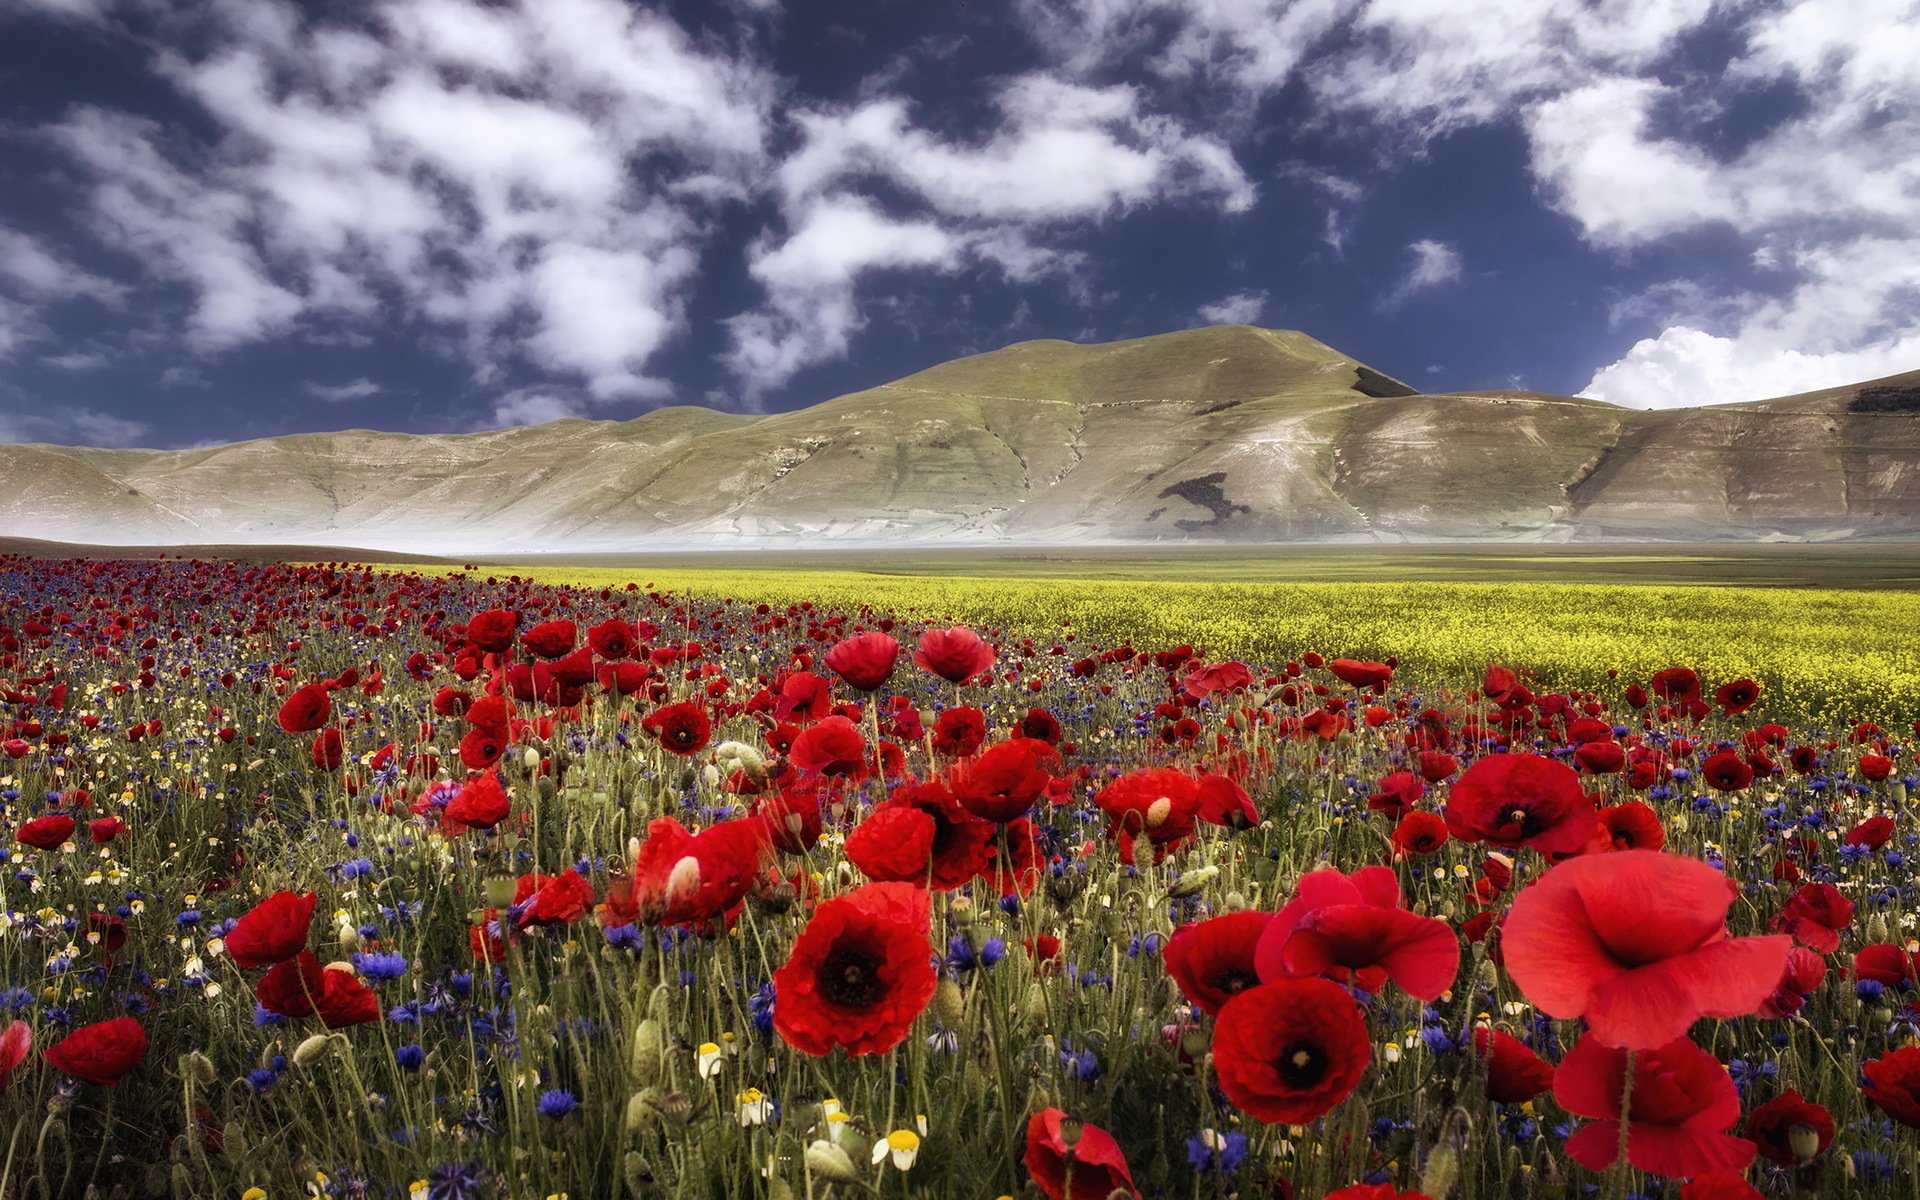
<point x="1233" y="982"/>
<point x="850" y="977"/>
<point x="1526" y="821"/>
<point x="1302" y="1065"/>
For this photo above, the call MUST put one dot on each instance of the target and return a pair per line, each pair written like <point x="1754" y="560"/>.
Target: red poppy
<point x="1212" y="960"/>
<point x="957" y="655"/>
<point x="1600" y="758"/>
<point x="1726" y="771"/>
<point x="481" y="802"/>
<point x="102" y="830"/>
<point x="1099" y="1166"/>
<point x="1288" y="1051"/>
<point x="859" y="974"/>
<point x="343" y="999"/>
<point x="1815" y="915"/>
<point x="492" y="631"/>
<point x="1636" y="942"/>
<point x="1398" y="793"/>
<point x="274" y="930"/>
<point x="1375" y="1191"/>
<point x="803" y="696"/>
<point x="16" y="1042"/>
<point x="864" y="660"/>
<point x="552" y="899"/>
<point x="682" y="878"/>
<point x="1224" y="802"/>
<point x="1515" y="1074"/>
<point x="306" y="709"/>
<point x="1202" y="682"/>
<point x="1805" y="971"/>
<point x="1632" y="825"/>
<point x="1160" y="802"/>
<point x="682" y="728"/>
<point x="1884" y="964"/>
<point x="832" y="748"/>
<point x="1041" y="724"/>
<point x="1352" y="927"/>
<point x="329" y="750"/>
<point x="611" y="639"/>
<point x="550" y="639"/>
<point x="1738" y="696"/>
<point x="1681" y="1105"/>
<point x="958" y="732"/>
<point x="1875" y="767"/>
<point x="1893" y="1084"/>
<point x="101" y="1053"/>
<point x="1720" y="1185"/>
<point x="1420" y="833"/>
<point x="1676" y="683"/>
<point x="1515" y="800"/>
<point x="1004" y="782"/>
<point x="1873" y="833"/>
<point x="292" y="987"/>
<point x="1790" y="1130"/>
<point x="46" y="833"/>
<point x="921" y="834"/>
<point x="793" y="818"/>
<point x="1361" y="674"/>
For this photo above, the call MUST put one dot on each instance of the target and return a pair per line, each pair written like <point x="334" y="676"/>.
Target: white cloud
<point x="1684" y="367"/>
<point x="359" y="389"/>
<point x="77" y="360"/>
<point x="1241" y="308"/>
<point x="533" y="178"/>
<point x="69" y="426"/>
<point x="1433" y="264"/>
<point x="530" y="407"/>
<point x="79" y="9"/>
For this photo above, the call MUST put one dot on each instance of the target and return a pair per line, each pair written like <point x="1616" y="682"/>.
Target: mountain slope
<point x="1228" y="433"/>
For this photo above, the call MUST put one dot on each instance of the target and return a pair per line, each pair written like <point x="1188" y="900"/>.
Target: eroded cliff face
<point x="1224" y="434"/>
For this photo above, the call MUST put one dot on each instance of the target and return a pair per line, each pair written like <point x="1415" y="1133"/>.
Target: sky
<point x="227" y="219"/>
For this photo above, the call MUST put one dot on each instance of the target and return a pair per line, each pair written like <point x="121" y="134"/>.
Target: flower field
<point x="332" y="881"/>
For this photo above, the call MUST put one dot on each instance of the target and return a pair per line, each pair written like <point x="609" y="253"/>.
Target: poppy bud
<point x="1191" y="882"/>
<point x="1805" y="1142"/>
<point x="499" y="890"/>
<point x="1036" y="1003"/>
<point x="641" y="1114"/>
<point x="1193" y="1043"/>
<point x="1877" y="930"/>
<point x="313" y="1050"/>
<point x="636" y="1171"/>
<point x="1234" y="902"/>
<point x="1443" y="1166"/>
<point x="545" y="787"/>
<point x="649" y="1052"/>
<point x="197" y="1067"/>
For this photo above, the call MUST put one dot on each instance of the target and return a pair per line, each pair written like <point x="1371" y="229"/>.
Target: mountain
<point x="1228" y="433"/>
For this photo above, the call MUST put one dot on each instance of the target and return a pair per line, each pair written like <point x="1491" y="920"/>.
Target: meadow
<point x="582" y="882"/>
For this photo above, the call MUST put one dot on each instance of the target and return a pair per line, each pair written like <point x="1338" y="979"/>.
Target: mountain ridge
<point x="1226" y="433"/>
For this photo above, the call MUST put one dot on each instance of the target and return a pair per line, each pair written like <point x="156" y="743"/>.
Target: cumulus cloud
<point x="1060" y="152"/>
<point x="529" y="407"/>
<point x="1430" y="264"/>
<point x="530" y="181"/>
<point x="1241" y="308"/>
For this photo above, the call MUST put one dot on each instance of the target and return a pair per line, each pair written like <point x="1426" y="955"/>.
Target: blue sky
<point x="239" y="218"/>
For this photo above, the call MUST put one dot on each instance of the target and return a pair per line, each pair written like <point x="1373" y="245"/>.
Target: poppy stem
<point x="1626" y="1109"/>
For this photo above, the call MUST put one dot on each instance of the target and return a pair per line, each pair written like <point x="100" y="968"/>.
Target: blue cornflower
<point x="187" y="918"/>
<point x="761" y="1008"/>
<point x="380" y="967"/>
<point x="1080" y="1064"/>
<point x="455" y="1181"/>
<point x="556" y="1104"/>
<point x="1210" y="1151"/>
<point x="410" y="1057"/>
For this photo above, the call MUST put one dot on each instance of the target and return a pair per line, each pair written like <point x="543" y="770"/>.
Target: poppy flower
<point x="803" y="696"/>
<point x="1212" y="960"/>
<point x="1398" y="793"/>
<point x="16" y="1042"/>
<point x="274" y="930"/>
<point x="793" y="818"/>
<point x="481" y="802"/>
<point x="1726" y="772"/>
<point x="859" y="974"/>
<point x="292" y="987"/>
<point x="1893" y="1084"/>
<point x="682" y="728"/>
<point x="1360" y="674"/>
<point x="1041" y="725"/>
<point x="1676" y="683"/>
<point x="1738" y="696"/>
<point x="1160" y="802"/>
<point x="1202" y="682"/>
<point x="1515" y="1074"/>
<point x="1720" y="1185"/>
<point x="611" y="639"/>
<point x="1600" y="758"/>
<point x="958" y="732"/>
<point x="1004" y="782"/>
<point x="1632" y="825"/>
<point x="1516" y="800"/>
<point x="1805" y="971"/>
<point x="343" y="999"/>
<point x="481" y="748"/>
<point x="1873" y="833"/>
<point x="865" y="660"/>
<point x="101" y="1053"/>
<point x="329" y="750"/>
<point x="1681" y="1105"/>
<point x="1886" y="965"/>
<point x="1288" y="1051"/>
<point x="492" y="631"/>
<point x="552" y="899"/>
<point x="921" y="834"/>
<point x="550" y="639"/>
<point x="957" y="655"/>
<point x="1636" y="942"/>
<point x="1099" y="1165"/>
<point x="46" y="833"/>
<point x="682" y="878"/>
<point x="1790" y="1130"/>
<point x="831" y="748"/>
<point x="1875" y="767"/>
<point x="1224" y="802"/>
<point x="102" y="830"/>
<point x="305" y="709"/>
<point x="1352" y="927"/>
<point x="1815" y="915"/>
<point x="1375" y="1191"/>
<point x="1420" y="833"/>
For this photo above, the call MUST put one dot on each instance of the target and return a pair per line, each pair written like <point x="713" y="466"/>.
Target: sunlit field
<point x="575" y="882"/>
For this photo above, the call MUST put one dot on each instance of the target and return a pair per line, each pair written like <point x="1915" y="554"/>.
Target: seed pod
<point x="545" y="787"/>
<point x="198" y="1067"/>
<point x="649" y="1052"/>
<point x="1190" y="882"/>
<point x="499" y="890"/>
<point x="1443" y="1167"/>
<point x="1234" y="902"/>
<point x="315" y="1049"/>
<point x="949" y="1004"/>
<point x="829" y="1162"/>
